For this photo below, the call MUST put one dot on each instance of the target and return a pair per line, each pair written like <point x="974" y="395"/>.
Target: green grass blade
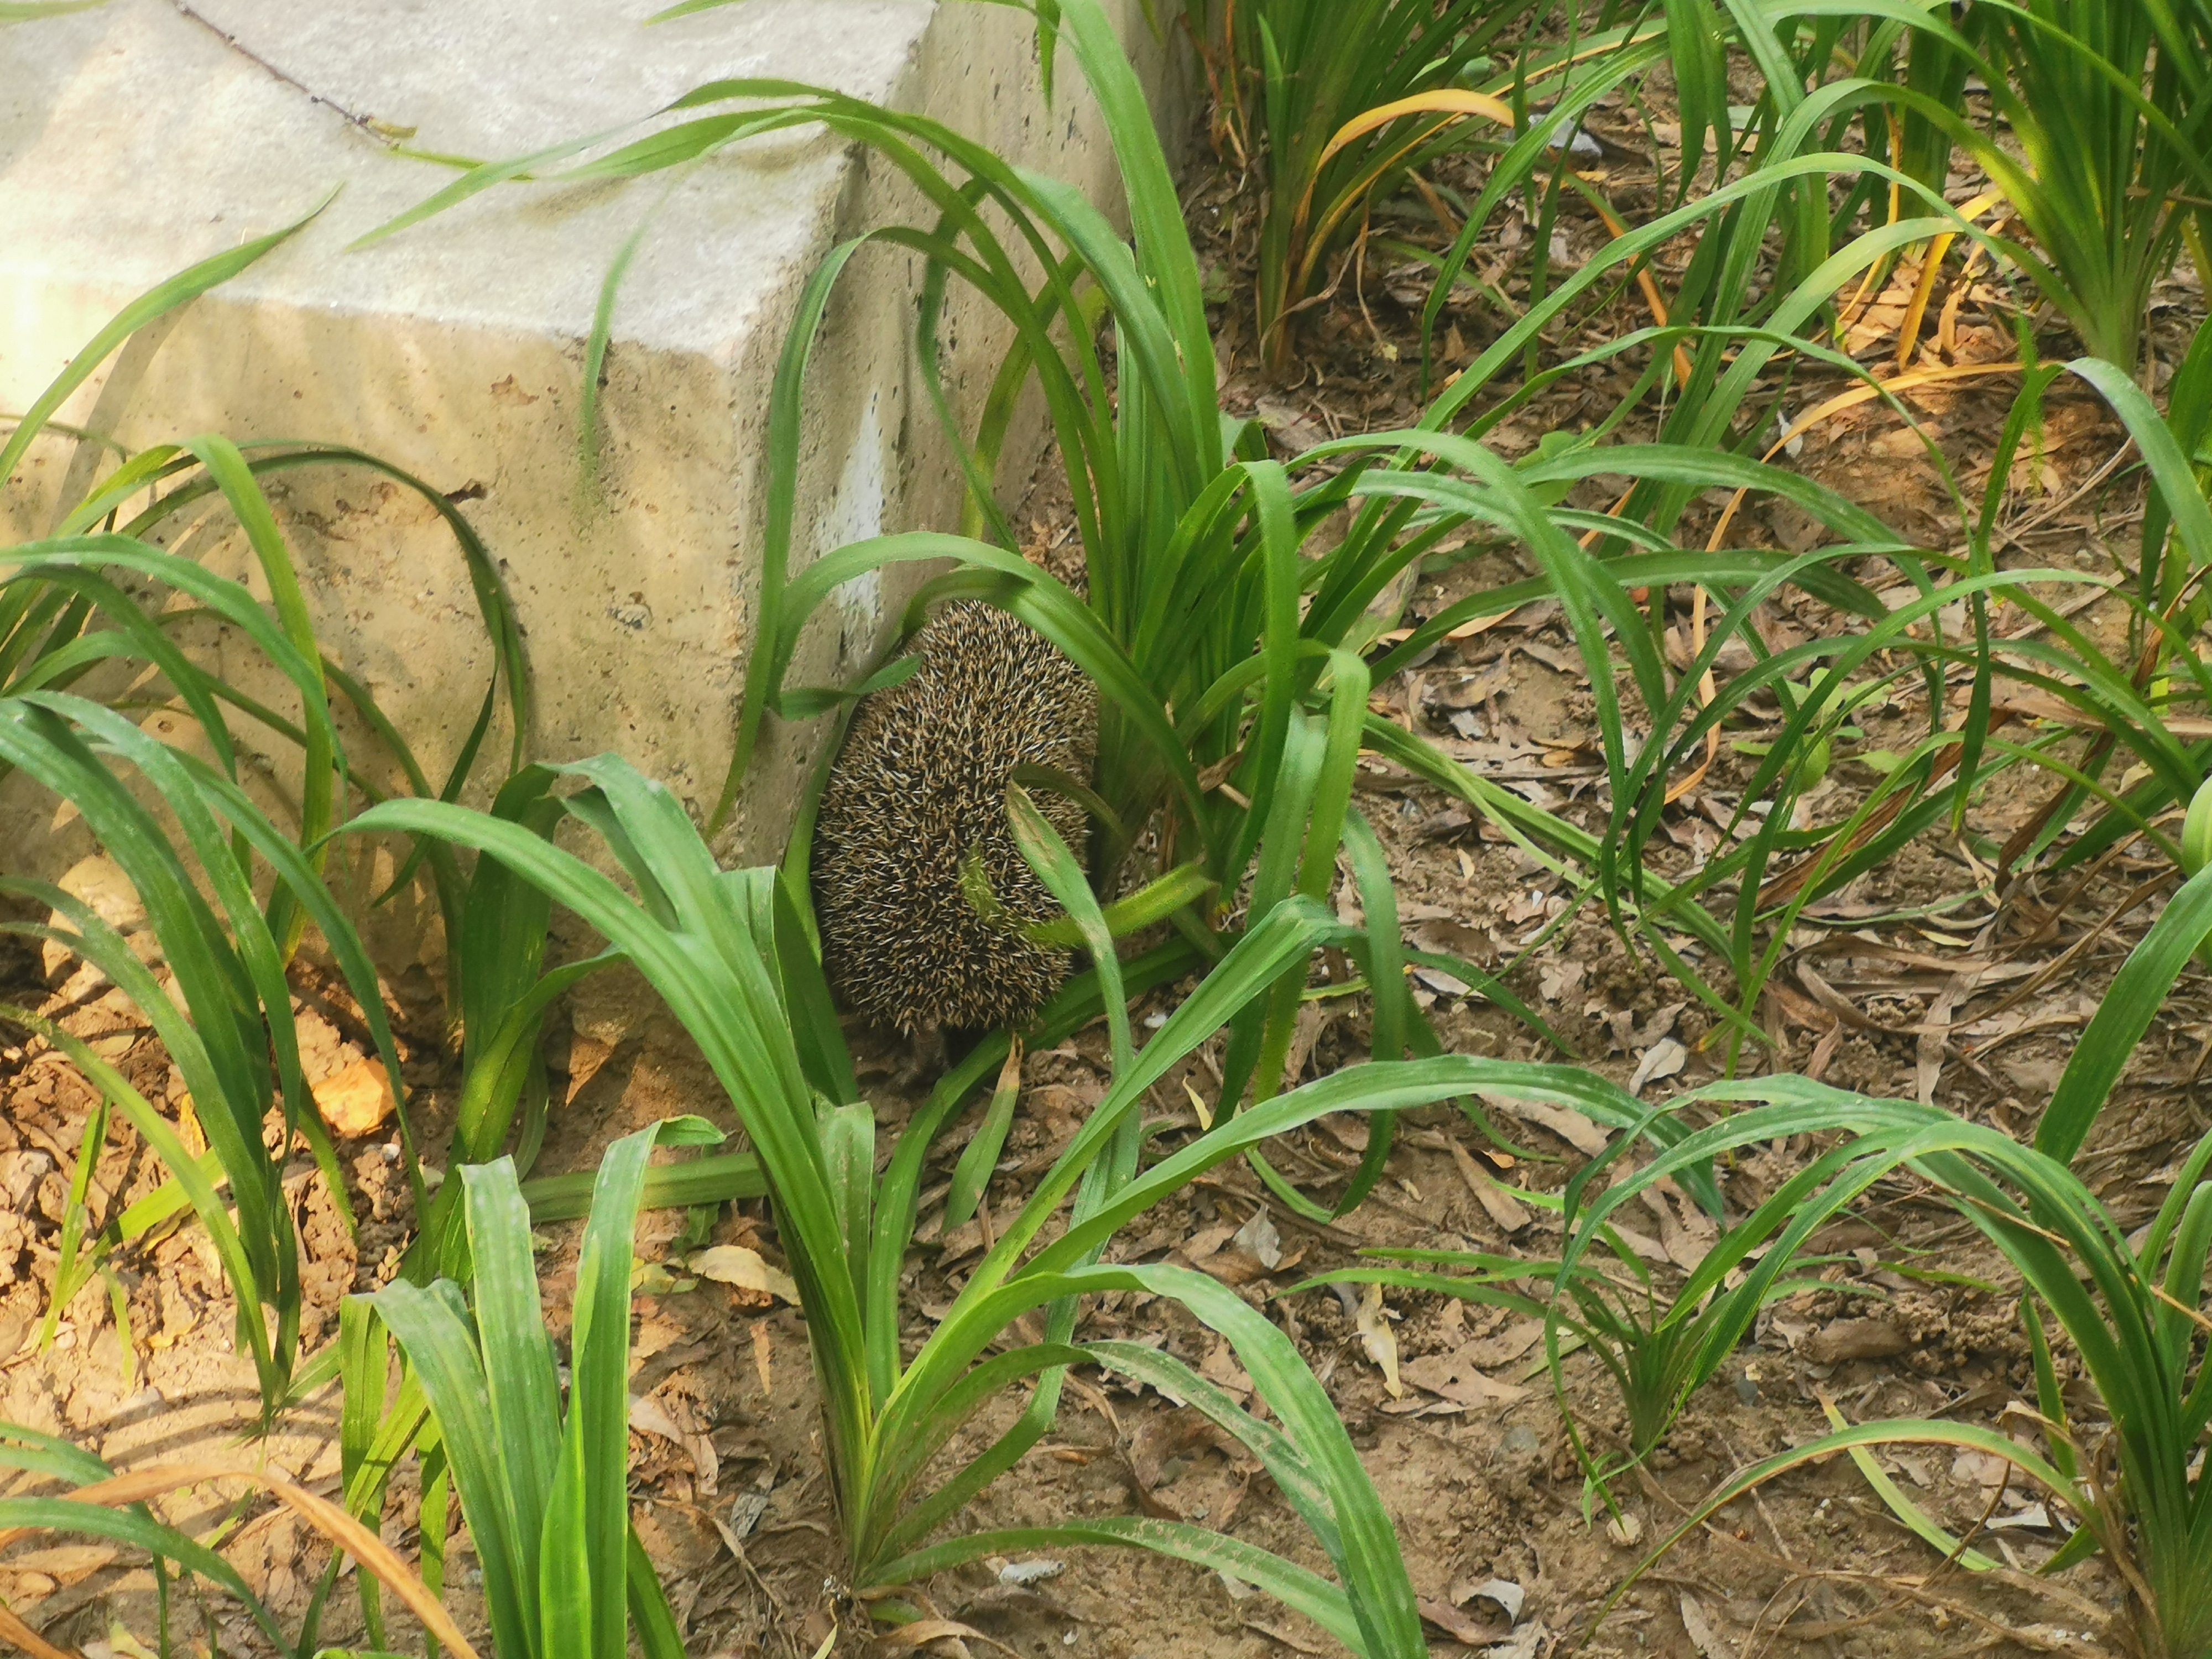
<point x="981" y="1155"/>
<point x="524" y="1396"/>
<point x="432" y="1330"/>
<point x="157" y="302"/>
<point x="2123" y="1017"/>
<point x="1916" y="1519"/>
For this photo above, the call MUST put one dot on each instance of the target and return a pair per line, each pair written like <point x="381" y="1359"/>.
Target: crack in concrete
<point x="381" y="131"/>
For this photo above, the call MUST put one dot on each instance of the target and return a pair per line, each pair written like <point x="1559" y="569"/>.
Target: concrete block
<point x="139" y="138"/>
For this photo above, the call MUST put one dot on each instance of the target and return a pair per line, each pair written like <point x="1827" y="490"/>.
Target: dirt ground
<point x="1921" y="980"/>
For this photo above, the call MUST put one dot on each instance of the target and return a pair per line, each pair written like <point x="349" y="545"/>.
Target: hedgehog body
<point x="920" y="788"/>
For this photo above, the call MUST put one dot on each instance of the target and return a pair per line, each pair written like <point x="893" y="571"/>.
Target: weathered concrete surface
<point x="137" y="138"/>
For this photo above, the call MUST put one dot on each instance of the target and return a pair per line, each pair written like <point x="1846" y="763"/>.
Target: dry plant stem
<point x="1683" y="370"/>
<point x="2008" y="534"/>
<point x="1852" y="399"/>
<point x="1782" y="888"/>
<point x="1908" y="330"/>
<point x="2147" y="662"/>
<point x="333" y="1523"/>
<point x="2142" y="895"/>
<point x="20" y="1635"/>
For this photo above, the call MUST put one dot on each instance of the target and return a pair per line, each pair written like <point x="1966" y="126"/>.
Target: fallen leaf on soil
<point x="1663" y="1059"/>
<point x="1463" y="1626"/>
<point x="1702" y="1635"/>
<point x="1351" y="1133"/>
<point x="1458" y="1379"/>
<point x="1163" y="1449"/>
<point x="1205" y="1240"/>
<point x="1855" y="1339"/>
<point x="1314" y="1018"/>
<point x="1933" y="1045"/>
<point x="1979" y="1468"/>
<point x="1915" y="1469"/>
<point x="28" y="1590"/>
<point x="1525" y="1642"/>
<point x="742" y="1269"/>
<point x="762" y="1340"/>
<point x="1464" y="691"/>
<point x="1686" y="1232"/>
<point x="1506" y="1346"/>
<point x="649" y="1416"/>
<point x="1220" y="1366"/>
<point x="1376" y="1337"/>
<point x="1441" y="982"/>
<point x="1509" y="1595"/>
<point x="1579" y="1132"/>
<point x="1258" y="1238"/>
<point x="66" y="1562"/>
<point x="1559" y="980"/>
<point x="1467" y="630"/>
<point x="1294" y="431"/>
<point x="1234" y="1268"/>
<point x="99" y="883"/>
<point x="745" y="1511"/>
<point x="1503" y="1208"/>
<point x="1527" y="907"/>
<point x="355" y="1100"/>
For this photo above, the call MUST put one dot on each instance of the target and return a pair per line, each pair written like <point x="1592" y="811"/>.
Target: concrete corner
<point x="139" y="138"/>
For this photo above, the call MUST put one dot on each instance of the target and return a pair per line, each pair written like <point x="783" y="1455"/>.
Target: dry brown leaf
<point x="1984" y="1469"/>
<point x="21" y="1638"/>
<point x="1259" y="1239"/>
<point x="955" y="1635"/>
<point x="1456" y="1378"/>
<point x="1506" y="1346"/>
<point x="1642" y="1243"/>
<point x="1663" y="1059"/>
<point x="649" y="1416"/>
<point x="1313" y="1020"/>
<point x="341" y="1529"/>
<point x="1687" y="1233"/>
<point x="745" y="1270"/>
<point x="66" y="1562"/>
<point x="1503" y="1208"/>
<point x="1467" y="630"/>
<point x="1379" y="1340"/>
<point x="761" y="1342"/>
<point x="1205" y="1240"/>
<point x="1462" y="1626"/>
<point x="1508" y="1595"/>
<point x="1234" y="1268"/>
<point x="1703" y="1637"/>
<point x="1579" y="1132"/>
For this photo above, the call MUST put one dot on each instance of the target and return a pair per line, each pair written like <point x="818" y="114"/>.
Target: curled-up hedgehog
<point x="916" y="794"/>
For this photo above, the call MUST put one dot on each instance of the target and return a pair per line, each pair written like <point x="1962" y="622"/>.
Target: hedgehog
<point x="917" y="793"/>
